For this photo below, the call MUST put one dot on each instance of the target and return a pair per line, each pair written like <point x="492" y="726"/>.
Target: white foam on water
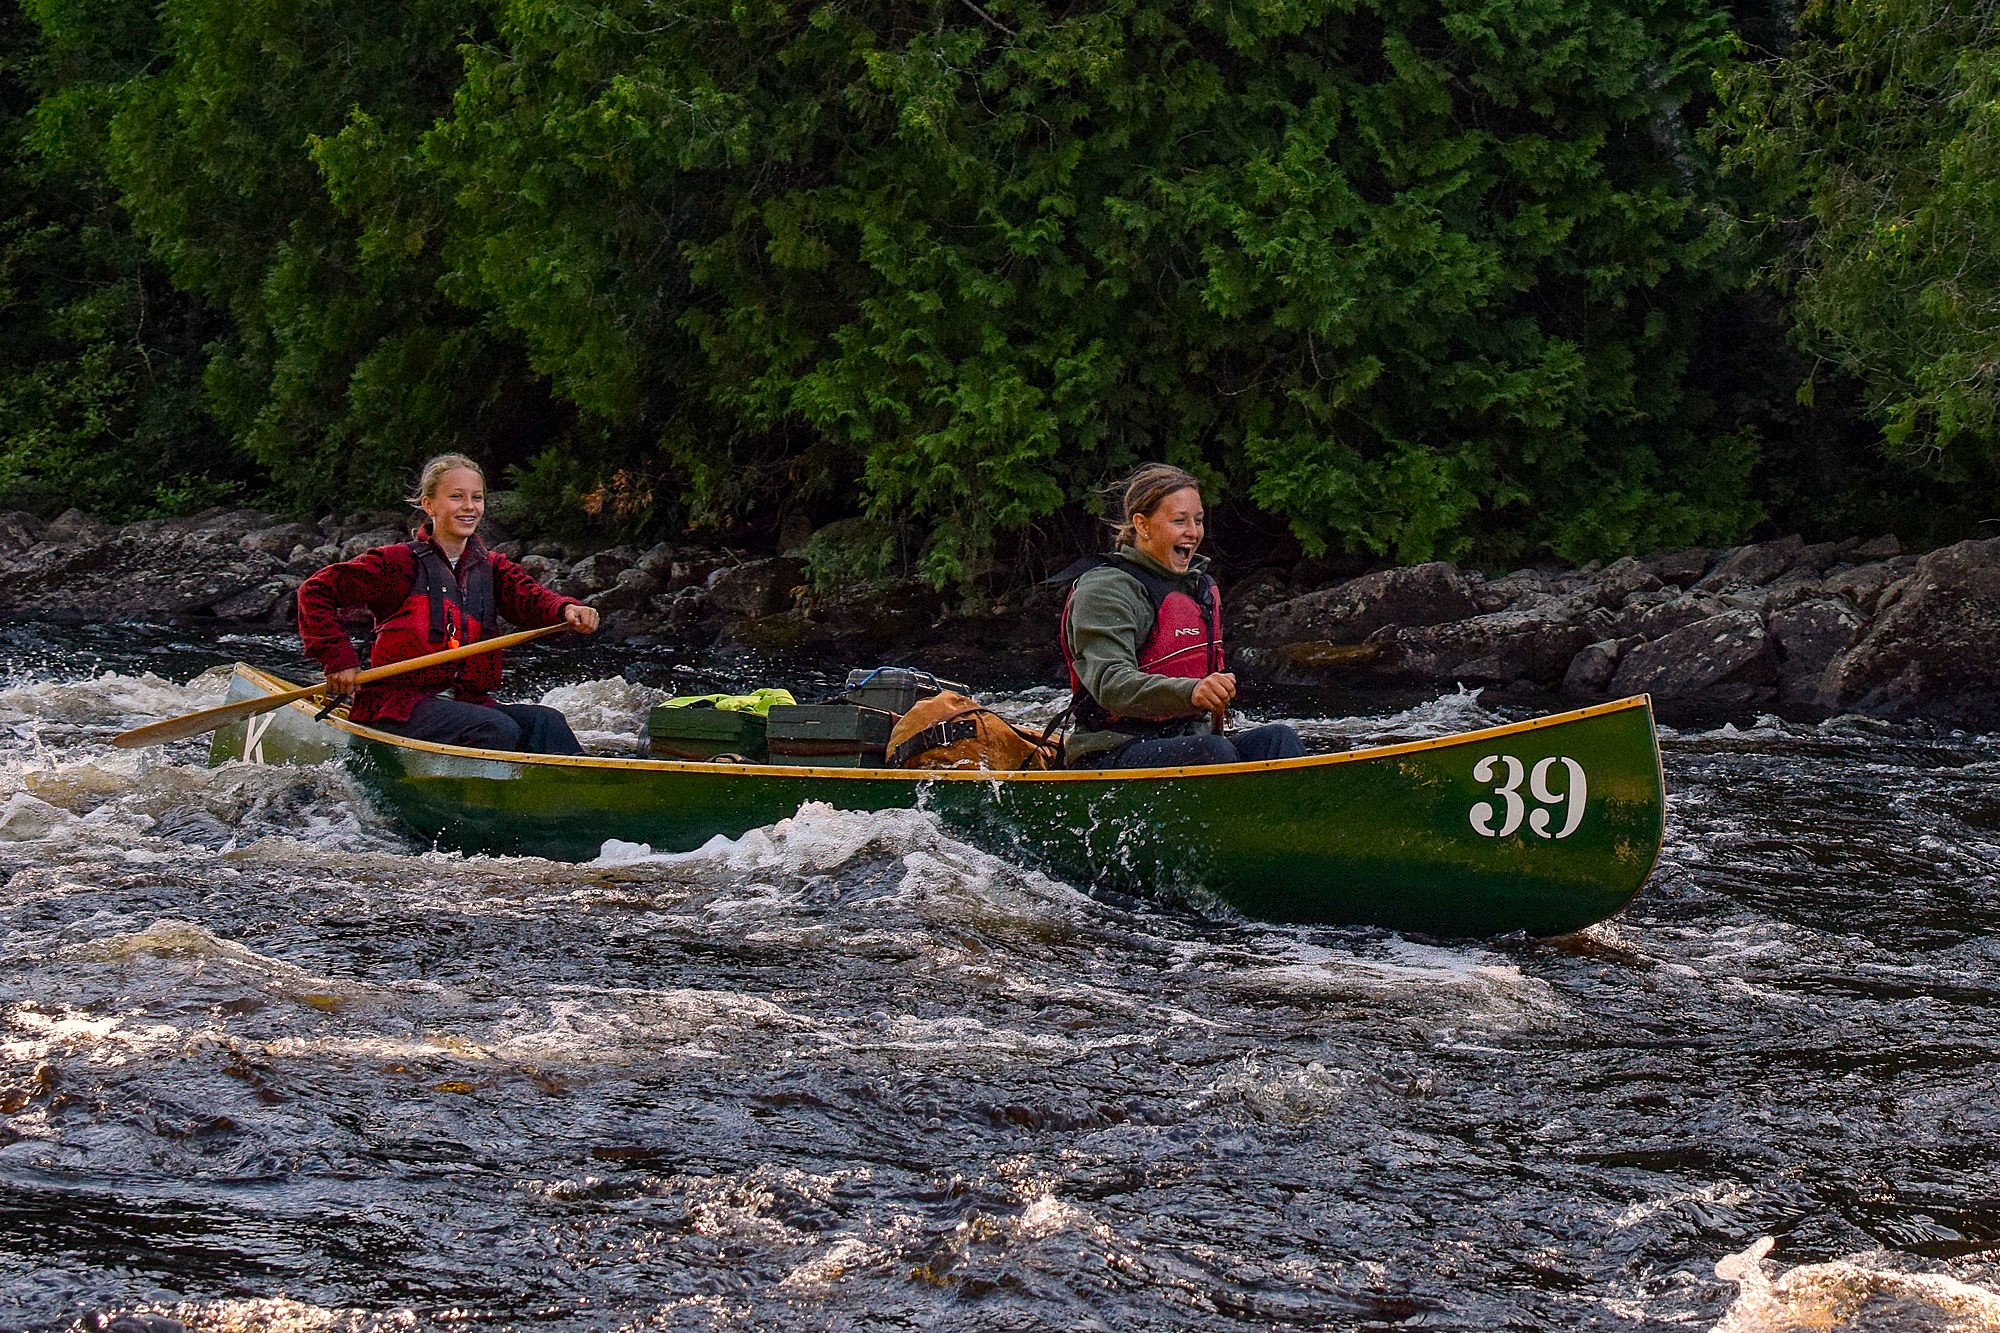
<point x="1722" y="1194"/>
<point x="834" y="1263"/>
<point x="1837" y="1294"/>
<point x="1446" y="715"/>
<point x="1297" y="1094"/>
<point x="942" y="877"/>
<point x="28" y="818"/>
<point x="609" y="715"/>
<point x="111" y="699"/>
<point x="958" y="1040"/>
<point x="277" y="1314"/>
<point x="610" y="1027"/>
<point x="816" y="839"/>
<point x="100" y="802"/>
<point x="1438" y="984"/>
<point x="32" y="1034"/>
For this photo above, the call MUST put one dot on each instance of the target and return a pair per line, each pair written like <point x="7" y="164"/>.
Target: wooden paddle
<point x="208" y="719"/>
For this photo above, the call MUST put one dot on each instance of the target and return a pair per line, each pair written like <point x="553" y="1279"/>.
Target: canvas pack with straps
<point x="951" y="730"/>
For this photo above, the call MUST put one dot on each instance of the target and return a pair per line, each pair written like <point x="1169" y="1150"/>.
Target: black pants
<point x="527" y="728"/>
<point x="1274" y="740"/>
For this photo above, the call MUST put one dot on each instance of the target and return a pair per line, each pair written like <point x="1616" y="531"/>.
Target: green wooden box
<point x="692" y="732"/>
<point x="829" y="735"/>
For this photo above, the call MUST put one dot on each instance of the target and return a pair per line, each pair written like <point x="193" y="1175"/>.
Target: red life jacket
<point x="443" y="610"/>
<point x="1186" y="641"/>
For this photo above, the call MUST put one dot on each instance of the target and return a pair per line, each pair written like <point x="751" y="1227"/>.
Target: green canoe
<point x="1542" y="827"/>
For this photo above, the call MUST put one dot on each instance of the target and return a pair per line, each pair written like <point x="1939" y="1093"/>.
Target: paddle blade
<point x="208" y="719"/>
<point x="194" y="724"/>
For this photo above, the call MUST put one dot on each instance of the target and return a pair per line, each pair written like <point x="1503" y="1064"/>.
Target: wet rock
<point x="756" y="588"/>
<point x="632" y="590"/>
<point x="1521" y="589"/>
<point x="1498" y="648"/>
<point x="73" y="525"/>
<point x="1880" y="548"/>
<point x="1618" y="582"/>
<point x="1419" y="595"/>
<point x="1590" y="671"/>
<point x="1263" y="589"/>
<point x="657" y="561"/>
<point x="540" y="568"/>
<point x="1752" y="566"/>
<point x="272" y="600"/>
<point x="693" y="569"/>
<point x="1731" y="650"/>
<point x="1315" y="660"/>
<point x="19" y="531"/>
<point x="165" y="572"/>
<point x="279" y="539"/>
<point x="226" y="525"/>
<point x="304" y="560"/>
<point x="1864" y="585"/>
<point x="1680" y="569"/>
<point x="1653" y="615"/>
<point x="595" y="573"/>
<point x="370" y="539"/>
<point x="1935" y="649"/>
<point x="1807" y="637"/>
<point x="402" y="522"/>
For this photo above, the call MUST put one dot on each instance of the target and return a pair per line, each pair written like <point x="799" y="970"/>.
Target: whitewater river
<point x="265" y="1062"/>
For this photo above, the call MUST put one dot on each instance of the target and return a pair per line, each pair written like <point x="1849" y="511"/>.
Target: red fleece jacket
<point x="380" y="580"/>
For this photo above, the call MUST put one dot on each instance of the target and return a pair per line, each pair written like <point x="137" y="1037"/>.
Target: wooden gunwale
<point x="340" y="722"/>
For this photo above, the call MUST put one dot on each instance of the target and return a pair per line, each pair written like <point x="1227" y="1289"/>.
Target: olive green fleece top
<point x="1108" y="621"/>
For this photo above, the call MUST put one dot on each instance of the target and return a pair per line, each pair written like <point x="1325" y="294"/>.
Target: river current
<point x="266" y="1062"/>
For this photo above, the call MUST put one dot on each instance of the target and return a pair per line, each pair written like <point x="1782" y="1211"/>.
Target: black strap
<point x="952" y="730"/>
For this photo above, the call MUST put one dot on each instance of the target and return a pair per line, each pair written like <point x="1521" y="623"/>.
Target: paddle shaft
<point x="208" y="719"/>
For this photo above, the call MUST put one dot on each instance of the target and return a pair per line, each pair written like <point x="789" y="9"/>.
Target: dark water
<point x="264" y="1063"/>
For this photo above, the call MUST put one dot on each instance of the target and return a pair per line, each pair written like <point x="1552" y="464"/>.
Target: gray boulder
<point x="279" y="539"/>
<point x="1726" y="659"/>
<point x="1654" y="615"/>
<point x="1502" y="648"/>
<point x="1428" y="594"/>
<point x="19" y="531"/>
<point x="756" y="588"/>
<point x="1934" y="651"/>
<point x="1863" y="585"/>
<point x="1807" y="637"/>
<point x="1590" y="671"/>
<point x="1753" y="566"/>
<point x="1680" y="569"/>
<point x="370" y="539"/>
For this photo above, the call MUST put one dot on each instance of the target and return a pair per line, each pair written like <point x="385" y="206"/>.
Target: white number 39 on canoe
<point x="1513" y="807"/>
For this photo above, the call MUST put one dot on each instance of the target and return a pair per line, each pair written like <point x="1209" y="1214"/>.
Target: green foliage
<point x="1424" y="280"/>
<point x="854" y="552"/>
<point x="245" y="152"/>
<point x="1882" y="124"/>
<point x="1416" y="279"/>
<point x="101" y="403"/>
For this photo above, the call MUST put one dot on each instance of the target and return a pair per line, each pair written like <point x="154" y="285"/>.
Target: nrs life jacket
<point x="1186" y="641"/>
<point x="443" y="610"/>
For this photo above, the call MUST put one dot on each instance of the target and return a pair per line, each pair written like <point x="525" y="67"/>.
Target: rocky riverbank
<point x="1860" y="627"/>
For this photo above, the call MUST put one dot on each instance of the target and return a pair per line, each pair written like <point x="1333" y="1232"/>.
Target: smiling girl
<point x="1142" y="634"/>
<point x="439" y="590"/>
